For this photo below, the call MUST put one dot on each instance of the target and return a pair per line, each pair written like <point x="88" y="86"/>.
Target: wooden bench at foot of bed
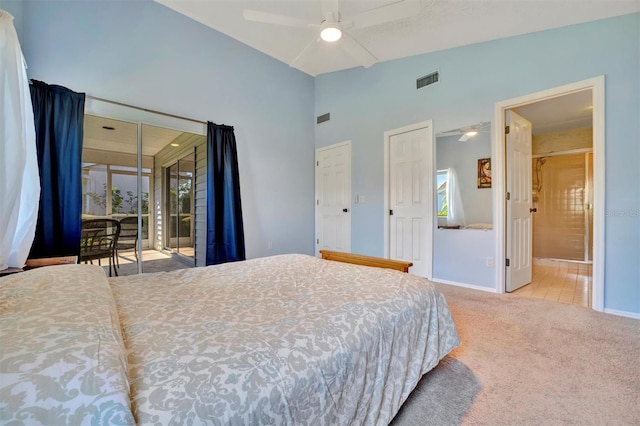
<point x="359" y="259"/>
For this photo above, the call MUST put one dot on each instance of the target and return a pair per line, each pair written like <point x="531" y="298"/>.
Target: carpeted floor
<point x="527" y="361"/>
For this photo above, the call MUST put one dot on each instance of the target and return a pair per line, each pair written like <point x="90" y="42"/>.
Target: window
<point x="110" y="191"/>
<point x="442" y="179"/>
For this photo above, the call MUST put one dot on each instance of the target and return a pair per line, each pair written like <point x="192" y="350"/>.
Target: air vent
<point x="427" y="80"/>
<point x="322" y="118"/>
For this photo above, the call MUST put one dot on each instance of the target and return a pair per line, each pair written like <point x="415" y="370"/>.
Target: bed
<point x="288" y="339"/>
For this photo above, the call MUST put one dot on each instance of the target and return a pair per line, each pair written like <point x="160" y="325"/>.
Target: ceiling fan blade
<point x="304" y="52"/>
<point x="392" y="12"/>
<point x="449" y="133"/>
<point x="358" y="51"/>
<point x="464" y="138"/>
<point x="270" y="18"/>
<point x="331" y="10"/>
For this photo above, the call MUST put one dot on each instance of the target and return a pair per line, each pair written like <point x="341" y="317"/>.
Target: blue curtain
<point x="59" y="122"/>
<point x="225" y="232"/>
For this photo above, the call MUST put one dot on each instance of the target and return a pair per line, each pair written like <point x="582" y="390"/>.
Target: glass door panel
<point x="172" y="207"/>
<point x="180" y="201"/>
<point x="173" y="190"/>
<point x="109" y="187"/>
<point x="94" y="190"/>
<point x="125" y="197"/>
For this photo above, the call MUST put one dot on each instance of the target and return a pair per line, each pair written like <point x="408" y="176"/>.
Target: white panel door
<point x="410" y="204"/>
<point x="519" y="183"/>
<point x="333" y="198"/>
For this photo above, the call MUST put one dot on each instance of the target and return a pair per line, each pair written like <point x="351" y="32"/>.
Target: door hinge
<point x="506" y="130"/>
<point x="317" y="163"/>
<point x="390" y="212"/>
<point x="317" y="202"/>
<point x="318" y="241"/>
<point x="508" y="262"/>
<point x="508" y="196"/>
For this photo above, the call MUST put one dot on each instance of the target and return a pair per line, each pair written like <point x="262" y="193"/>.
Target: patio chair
<point x="128" y="238"/>
<point x="98" y="241"/>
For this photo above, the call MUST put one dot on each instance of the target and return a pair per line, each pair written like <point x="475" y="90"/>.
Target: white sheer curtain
<point x="19" y="178"/>
<point x="455" y="215"/>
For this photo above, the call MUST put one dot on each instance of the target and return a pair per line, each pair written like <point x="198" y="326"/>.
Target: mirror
<point x="463" y="181"/>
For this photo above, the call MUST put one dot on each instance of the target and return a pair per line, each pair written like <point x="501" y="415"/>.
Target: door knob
<point x="345" y="210"/>
<point x="533" y="210"/>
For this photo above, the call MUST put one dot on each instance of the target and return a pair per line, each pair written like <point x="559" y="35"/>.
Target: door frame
<point x="498" y="155"/>
<point x="346" y="143"/>
<point x="430" y="189"/>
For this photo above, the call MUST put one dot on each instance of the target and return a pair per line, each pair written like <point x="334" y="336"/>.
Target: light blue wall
<point x="144" y="54"/>
<point x="463" y="158"/>
<point x="364" y="103"/>
<point x="469" y="247"/>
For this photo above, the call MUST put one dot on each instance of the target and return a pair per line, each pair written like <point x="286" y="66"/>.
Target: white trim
<point x="633" y="315"/>
<point x="133" y="114"/>
<point x="315" y="196"/>
<point x="430" y="196"/>
<point x="597" y="86"/>
<point x="470" y="286"/>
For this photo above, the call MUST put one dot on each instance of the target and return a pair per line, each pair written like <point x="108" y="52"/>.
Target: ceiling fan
<point x="468" y="132"/>
<point x="332" y="28"/>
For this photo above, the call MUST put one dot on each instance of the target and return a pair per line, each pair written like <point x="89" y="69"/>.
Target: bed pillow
<point x="62" y="355"/>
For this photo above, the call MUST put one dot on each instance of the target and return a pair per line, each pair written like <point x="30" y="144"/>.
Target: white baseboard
<point x="633" y="315"/>
<point x="471" y="286"/>
<point x="622" y="313"/>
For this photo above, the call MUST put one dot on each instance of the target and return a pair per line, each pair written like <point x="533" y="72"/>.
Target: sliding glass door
<point x="149" y="179"/>
<point x="180" y="201"/>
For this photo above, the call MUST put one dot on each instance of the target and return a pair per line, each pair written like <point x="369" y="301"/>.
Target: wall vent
<point x="427" y="80"/>
<point x="322" y="118"/>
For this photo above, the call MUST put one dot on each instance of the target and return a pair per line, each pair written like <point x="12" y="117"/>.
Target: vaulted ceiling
<point x="432" y="25"/>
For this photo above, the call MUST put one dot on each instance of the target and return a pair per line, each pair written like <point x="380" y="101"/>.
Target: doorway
<point x="581" y="196"/>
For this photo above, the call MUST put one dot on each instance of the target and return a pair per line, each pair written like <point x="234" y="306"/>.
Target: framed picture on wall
<point x="484" y="173"/>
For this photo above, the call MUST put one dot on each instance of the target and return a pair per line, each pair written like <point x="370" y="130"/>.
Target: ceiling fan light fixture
<point x="471" y="133"/>
<point x="331" y="32"/>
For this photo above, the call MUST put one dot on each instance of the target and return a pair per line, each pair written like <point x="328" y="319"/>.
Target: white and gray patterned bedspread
<point x="288" y="339"/>
<point x="62" y="359"/>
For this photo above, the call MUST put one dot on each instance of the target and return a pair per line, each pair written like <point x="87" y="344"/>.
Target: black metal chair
<point x="98" y="241"/>
<point x="128" y="238"/>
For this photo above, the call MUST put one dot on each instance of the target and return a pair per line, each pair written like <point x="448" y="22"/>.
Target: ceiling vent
<point x="427" y="80"/>
<point x="322" y="118"/>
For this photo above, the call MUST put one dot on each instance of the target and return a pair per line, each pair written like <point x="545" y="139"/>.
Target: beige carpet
<point x="530" y="362"/>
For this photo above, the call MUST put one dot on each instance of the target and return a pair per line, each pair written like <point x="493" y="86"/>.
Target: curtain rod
<point x="139" y="108"/>
<point x="146" y="109"/>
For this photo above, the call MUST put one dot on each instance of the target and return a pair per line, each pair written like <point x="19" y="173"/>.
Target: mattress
<point x="288" y="339"/>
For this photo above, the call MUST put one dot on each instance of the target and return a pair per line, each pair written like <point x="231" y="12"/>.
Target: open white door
<point x="333" y="198"/>
<point x="519" y="183"/>
<point x="411" y="199"/>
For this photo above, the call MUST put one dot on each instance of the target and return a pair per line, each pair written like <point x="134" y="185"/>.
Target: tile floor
<point x="560" y="281"/>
